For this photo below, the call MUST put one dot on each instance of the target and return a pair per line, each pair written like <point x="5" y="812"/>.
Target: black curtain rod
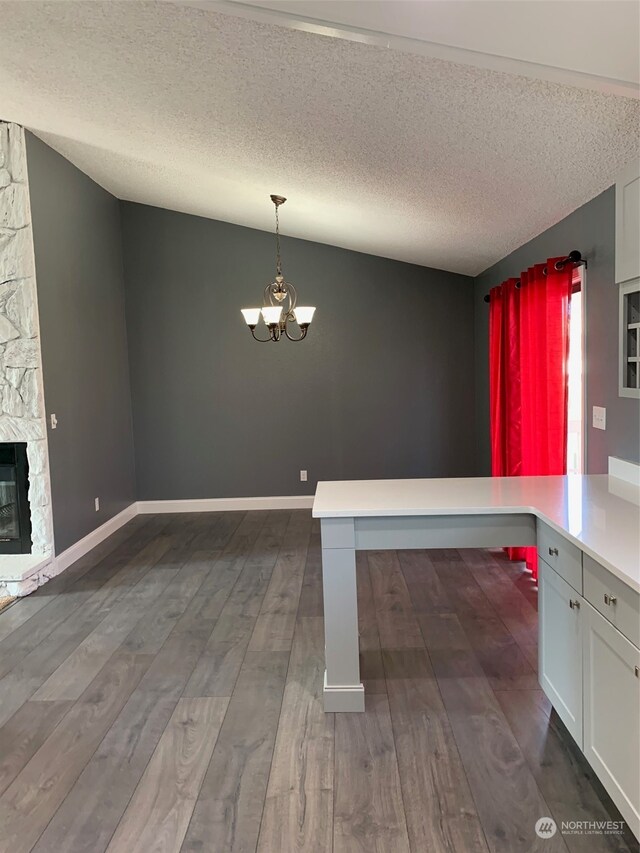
<point x="573" y="257"/>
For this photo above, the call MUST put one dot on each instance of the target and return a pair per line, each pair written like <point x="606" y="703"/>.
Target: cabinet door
<point x="612" y="713"/>
<point x="560" y="647"/>
<point x="628" y="224"/>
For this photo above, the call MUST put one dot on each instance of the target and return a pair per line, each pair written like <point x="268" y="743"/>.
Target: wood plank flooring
<point x="164" y="695"/>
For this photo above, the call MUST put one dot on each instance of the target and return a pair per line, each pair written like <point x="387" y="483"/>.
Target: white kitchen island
<point x="587" y="529"/>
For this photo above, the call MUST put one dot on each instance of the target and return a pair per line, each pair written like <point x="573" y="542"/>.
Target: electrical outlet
<point x="303" y="476"/>
<point x="599" y="417"/>
<point x="97" y="502"/>
<point x="54" y="421"/>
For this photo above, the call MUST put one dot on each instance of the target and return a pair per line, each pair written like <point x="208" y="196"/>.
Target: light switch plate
<point x="599" y="417"/>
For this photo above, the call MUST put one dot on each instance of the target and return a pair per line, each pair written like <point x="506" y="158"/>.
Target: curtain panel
<point x="528" y="378"/>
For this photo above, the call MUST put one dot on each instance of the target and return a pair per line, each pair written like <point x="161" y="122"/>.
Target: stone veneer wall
<point x="22" y="411"/>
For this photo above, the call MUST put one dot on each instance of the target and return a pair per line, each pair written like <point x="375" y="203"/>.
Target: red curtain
<point x="528" y="354"/>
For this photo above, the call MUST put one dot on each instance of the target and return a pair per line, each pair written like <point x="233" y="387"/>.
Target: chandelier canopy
<point x="279" y="304"/>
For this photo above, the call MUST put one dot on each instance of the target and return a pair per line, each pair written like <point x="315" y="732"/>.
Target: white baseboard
<point x="84" y="545"/>
<point x="620" y="469"/>
<point x="226" y="504"/>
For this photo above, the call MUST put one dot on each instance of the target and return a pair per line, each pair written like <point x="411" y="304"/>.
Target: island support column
<point x="343" y="690"/>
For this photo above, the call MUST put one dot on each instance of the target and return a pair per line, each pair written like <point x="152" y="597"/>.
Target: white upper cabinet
<point x="628" y="224"/>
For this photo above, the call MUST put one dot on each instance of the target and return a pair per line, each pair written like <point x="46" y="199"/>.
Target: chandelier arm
<point x="293" y="296"/>
<point x="268" y="298"/>
<point x="303" y="334"/>
<point x="260" y="340"/>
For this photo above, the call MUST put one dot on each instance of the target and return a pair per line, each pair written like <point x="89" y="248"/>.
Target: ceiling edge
<point x="434" y="50"/>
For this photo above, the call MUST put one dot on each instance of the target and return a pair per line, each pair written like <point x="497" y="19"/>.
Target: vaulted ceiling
<point x="384" y="150"/>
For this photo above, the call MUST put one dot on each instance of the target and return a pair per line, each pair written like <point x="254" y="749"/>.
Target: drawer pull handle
<point x="574" y="605"/>
<point x="637" y="668"/>
<point x="553" y="552"/>
<point x="610" y="599"/>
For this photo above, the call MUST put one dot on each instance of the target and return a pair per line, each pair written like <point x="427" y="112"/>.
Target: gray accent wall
<point x="78" y="253"/>
<point x="381" y="388"/>
<point x="591" y="230"/>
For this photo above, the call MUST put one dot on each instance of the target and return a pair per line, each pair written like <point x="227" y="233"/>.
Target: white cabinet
<point x="612" y="712"/>
<point x="628" y="277"/>
<point x="628" y="224"/>
<point x="590" y="671"/>
<point x="560" y="647"/>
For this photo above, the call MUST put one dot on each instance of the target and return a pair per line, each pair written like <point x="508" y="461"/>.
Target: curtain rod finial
<point x="574" y="257"/>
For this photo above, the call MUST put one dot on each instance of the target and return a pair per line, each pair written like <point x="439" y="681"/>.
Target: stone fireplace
<point x="22" y="410"/>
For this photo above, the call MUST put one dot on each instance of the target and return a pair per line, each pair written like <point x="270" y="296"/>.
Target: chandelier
<point x="279" y="304"/>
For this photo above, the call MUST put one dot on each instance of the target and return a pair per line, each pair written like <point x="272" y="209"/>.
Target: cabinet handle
<point x="574" y="605"/>
<point x="553" y="552"/>
<point x="610" y="599"/>
<point x="637" y="668"/>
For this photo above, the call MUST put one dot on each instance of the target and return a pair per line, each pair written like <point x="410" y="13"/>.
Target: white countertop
<point x="598" y="513"/>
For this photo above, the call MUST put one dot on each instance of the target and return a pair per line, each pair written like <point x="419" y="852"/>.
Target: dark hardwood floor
<point x="164" y="694"/>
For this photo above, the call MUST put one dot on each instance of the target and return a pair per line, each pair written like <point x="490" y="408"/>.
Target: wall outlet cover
<point x="599" y="417"/>
<point x="303" y="476"/>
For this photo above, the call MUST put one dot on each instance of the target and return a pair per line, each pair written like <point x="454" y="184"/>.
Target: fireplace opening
<point x="15" y="516"/>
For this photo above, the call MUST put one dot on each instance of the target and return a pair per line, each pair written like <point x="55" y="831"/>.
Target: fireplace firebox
<point x="15" y="517"/>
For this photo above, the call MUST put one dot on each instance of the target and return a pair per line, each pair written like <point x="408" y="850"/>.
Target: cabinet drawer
<point x="561" y="555"/>
<point x="614" y="599"/>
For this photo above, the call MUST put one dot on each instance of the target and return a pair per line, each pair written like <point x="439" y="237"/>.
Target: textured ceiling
<point x="377" y="150"/>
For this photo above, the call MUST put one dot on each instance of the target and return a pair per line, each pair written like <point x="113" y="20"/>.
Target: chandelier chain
<point x="278" y="260"/>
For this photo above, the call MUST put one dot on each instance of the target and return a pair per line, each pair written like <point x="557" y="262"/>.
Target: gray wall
<point x="382" y="387"/>
<point x="591" y="230"/>
<point x="78" y="252"/>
